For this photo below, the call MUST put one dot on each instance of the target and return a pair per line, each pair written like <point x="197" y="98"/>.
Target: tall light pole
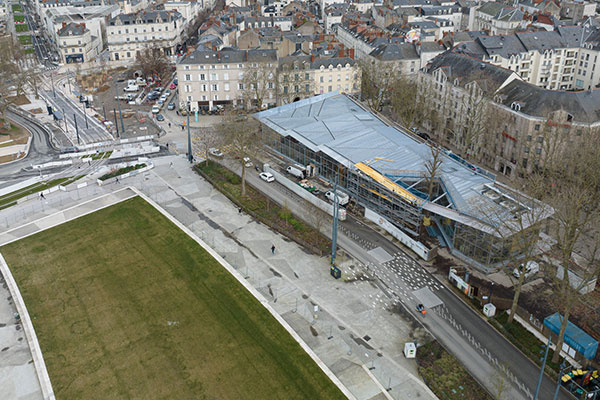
<point x="76" y="128"/>
<point x="85" y="116"/>
<point x="334" y="228"/>
<point x="119" y="104"/>
<point x="190" y="155"/>
<point x="539" y="383"/>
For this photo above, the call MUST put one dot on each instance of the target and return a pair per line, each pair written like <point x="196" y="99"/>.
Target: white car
<point x="215" y="152"/>
<point x="155" y="109"/>
<point x="247" y="162"/>
<point x="530" y="269"/>
<point x="267" y="176"/>
<point x="163" y="98"/>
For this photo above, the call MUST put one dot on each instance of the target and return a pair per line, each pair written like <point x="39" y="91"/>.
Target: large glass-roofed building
<point x="385" y="170"/>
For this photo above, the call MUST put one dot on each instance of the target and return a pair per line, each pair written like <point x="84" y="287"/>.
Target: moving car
<point x="267" y="176"/>
<point x="171" y="106"/>
<point x="215" y="152"/>
<point x="159" y="117"/>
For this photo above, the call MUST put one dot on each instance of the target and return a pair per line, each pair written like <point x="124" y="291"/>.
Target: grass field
<point x="125" y="305"/>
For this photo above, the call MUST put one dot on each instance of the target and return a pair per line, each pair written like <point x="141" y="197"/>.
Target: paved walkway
<point x="347" y="323"/>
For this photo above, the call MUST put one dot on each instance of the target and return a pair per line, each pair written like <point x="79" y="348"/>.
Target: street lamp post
<point x="190" y="155"/>
<point x="116" y="123"/>
<point x="65" y="117"/>
<point x="334" y="229"/>
<point x="539" y="383"/>
<point x="119" y="104"/>
<point x="76" y="128"/>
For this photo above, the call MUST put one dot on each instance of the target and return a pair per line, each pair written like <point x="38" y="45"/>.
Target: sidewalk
<point x="346" y="323"/>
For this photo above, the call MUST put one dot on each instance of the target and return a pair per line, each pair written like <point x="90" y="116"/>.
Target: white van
<point x="530" y="269"/>
<point x="342" y="197"/>
<point x="132" y="88"/>
<point x="295" y="171"/>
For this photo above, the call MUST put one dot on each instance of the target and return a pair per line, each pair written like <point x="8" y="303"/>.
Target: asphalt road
<point x="479" y="347"/>
<point x="41" y="151"/>
<point x="74" y="112"/>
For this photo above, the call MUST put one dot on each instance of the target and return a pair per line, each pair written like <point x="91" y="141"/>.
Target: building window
<point x="202" y="77"/>
<point x="321" y="79"/>
<point x="537" y="127"/>
<point x="240" y="86"/>
<point x="226" y="86"/>
<point x="526" y="150"/>
<point x="188" y="88"/>
<point x="538" y="151"/>
<point x="215" y="87"/>
<point x="214" y="77"/>
<point x="187" y="77"/>
<point x="225" y="76"/>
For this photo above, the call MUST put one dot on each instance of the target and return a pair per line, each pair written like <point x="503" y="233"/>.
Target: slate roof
<point x="392" y="52"/>
<point x="584" y="106"/>
<point x="467" y="69"/>
<point x="145" y="17"/>
<point x="229" y="55"/>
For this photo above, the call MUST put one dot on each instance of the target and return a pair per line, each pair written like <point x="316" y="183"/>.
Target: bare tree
<point x="10" y="72"/>
<point x="377" y="80"/>
<point x="258" y="84"/>
<point x="242" y="134"/>
<point x="470" y="121"/>
<point x="152" y="61"/>
<point x="432" y="166"/>
<point x="207" y="139"/>
<point x="408" y="106"/>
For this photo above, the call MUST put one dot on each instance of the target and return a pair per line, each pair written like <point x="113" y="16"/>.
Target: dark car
<point x="160" y="117"/>
<point x="171" y="106"/>
<point x="424" y="135"/>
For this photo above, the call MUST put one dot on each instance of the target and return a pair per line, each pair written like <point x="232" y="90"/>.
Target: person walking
<point x="42" y="195"/>
<point x="240" y="210"/>
<point x="273" y="249"/>
<point x="169" y="124"/>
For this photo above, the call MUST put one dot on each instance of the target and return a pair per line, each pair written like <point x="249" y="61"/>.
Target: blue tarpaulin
<point x="574" y="336"/>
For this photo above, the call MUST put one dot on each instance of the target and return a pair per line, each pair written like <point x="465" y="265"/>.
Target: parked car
<point x="160" y="102"/>
<point x="215" y="152"/>
<point x="155" y="109"/>
<point x="152" y="96"/>
<point x="132" y="88"/>
<point x="167" y="93"/>
<point x="159" y="117"/>
<point x="247" y="162"/>
<point x="267" y="176"/>
<point x="530" y="269"/>
<point x="163" y="98"/>
<point x="295" y="171"/>
<point x="140" y="81"/>
<point x="171" y="106"/>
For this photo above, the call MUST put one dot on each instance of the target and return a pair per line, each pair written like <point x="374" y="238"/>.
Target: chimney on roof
<point x="246" y="55"/>
<point x="219" y="55"/>
<point x="351" y="51"/>
<point x="312" y="58"/>
<point x="64" y="24"/>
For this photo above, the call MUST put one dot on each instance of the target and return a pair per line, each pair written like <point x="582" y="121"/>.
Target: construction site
<point x="401" y="182"/>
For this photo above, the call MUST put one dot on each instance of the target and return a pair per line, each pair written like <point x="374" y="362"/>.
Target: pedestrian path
<point x="360" y="340"/>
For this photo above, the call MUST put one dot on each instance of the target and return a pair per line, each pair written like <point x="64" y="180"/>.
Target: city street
<point x="76" y="115"/>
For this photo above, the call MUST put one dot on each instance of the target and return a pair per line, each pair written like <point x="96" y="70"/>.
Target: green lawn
<point x="19" y="18"/>
<point x="17" y="7"/>
<point x="125" y="305"/>
<point x="21" y="28"/>
<point x="24" y="39"/>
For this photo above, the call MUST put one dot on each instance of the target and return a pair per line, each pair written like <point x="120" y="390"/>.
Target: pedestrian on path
<point x="182" y="127"/>
<point x="117" y="180"/>
<point x="273" y="249"/>
<point x="171" y="165"/>
<point x="177" y="112"/>
<point x="42" y="195"/>
<point x="240" y="210"/>
<point x="169" y="124"/>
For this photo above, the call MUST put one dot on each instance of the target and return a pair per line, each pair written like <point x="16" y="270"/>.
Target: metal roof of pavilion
<point x="340" y="127"/>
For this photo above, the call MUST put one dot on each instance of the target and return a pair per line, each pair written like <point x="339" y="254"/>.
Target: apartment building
<point x="208" y="78"/>
<point x="341" y="74"/>
<point x="563" y="59"/>
<point x="496" y="18"/>
<point x="77" y="44"/>
<point x="128" y="34"/>
<point x="490" y="115"/>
